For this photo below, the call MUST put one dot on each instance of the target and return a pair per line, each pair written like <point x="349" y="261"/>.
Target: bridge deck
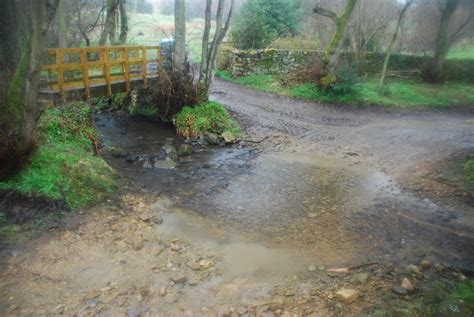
<point x="76" y="73"/>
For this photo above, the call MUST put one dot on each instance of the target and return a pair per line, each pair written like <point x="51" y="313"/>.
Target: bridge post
<point x="106" y="70"/>
<point x="126" y="71"/>
<point x="59" y="63"/>
<point x="145" y="83"/>
<point x="85" y="73"/>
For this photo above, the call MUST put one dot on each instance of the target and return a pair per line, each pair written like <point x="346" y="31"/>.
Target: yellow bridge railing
<point x="82" y="68"/>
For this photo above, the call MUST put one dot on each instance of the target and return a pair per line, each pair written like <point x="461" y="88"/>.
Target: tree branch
<point x="326" y="13"/>
<point x="461" y="27"/>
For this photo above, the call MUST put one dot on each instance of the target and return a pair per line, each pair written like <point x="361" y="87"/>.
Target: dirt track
<point x="247" y="233"/>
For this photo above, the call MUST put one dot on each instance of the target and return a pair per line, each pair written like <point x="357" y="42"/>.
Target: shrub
<point x="169" y="94"/>
<point x="259" y="22"/>
<point x="208" y="117"/>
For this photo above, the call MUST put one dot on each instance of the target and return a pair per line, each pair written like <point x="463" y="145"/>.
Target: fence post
<point x="127" y="74"/>
<point x="85" y="73"/>
<point x="145" y="84"/>
<point x="59" y="63"/>
<point x="105" y="57"/>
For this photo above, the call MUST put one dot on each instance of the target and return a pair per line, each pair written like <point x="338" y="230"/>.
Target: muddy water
<point x="271" y="214"/>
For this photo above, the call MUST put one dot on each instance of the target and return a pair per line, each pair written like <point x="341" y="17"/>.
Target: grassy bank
<point x="438" y="299"/>
<point x="64" y="166"/>
<point x="210" y="117"/>
<point x="468" y="180"/>
<point x="397" y="93"/>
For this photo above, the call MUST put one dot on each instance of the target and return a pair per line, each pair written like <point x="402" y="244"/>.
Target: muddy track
<point x="389" y="139"/>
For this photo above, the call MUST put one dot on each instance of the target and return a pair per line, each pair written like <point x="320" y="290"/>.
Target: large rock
<point x="165" y="164"/>
<point x="211" y="138"/>
<point x="228" y="137"/>
<point x="347" y="295"/>
<point x="170" y="151"/>
<point x="117" y="151"/>
<point x="185" y="149"/>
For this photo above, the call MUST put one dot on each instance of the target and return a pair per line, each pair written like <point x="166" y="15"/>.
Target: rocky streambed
<point x="247" y="229"/>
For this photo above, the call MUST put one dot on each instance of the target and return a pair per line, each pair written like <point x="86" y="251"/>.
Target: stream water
<point x="270" y="212"/>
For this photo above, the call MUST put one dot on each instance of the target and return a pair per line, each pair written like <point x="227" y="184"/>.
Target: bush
<point x="208" y="117"/>
<point x="259" y="22"/>
<point x="64" y="166"/>
<point x="169" y="94"/>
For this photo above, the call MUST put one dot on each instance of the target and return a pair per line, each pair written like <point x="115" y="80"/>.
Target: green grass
<point x="462" y="52"/>
<point x="441" y="299"/>
<point x="64" y="166"/>
<point x="468" y="179"/>
<point x="397" y="93"/>
<point x="208" y="117"/>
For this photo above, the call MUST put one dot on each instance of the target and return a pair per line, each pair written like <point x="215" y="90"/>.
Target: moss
<point x="11" y="115"/>
<point x="208" y="117"/>
<point x="468" y="177"/>
<point x="64" y="166"/>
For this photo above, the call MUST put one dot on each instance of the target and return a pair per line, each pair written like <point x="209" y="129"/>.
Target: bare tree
<point x="210" y="49"/>
<point x="179" y="56"/>
<point x="401" y="16"/>
<point x="23" y="26"/>
<point x="123" y="22"/>
<point x="62" y="26"/>
<point x="435" y="71"/>
<point x="108" y="32"/>
<point x="331" y="56"/>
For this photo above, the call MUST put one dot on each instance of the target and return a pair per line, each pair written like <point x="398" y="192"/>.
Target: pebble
<point x="347" y="295"/>
<point x="425" y="264"/>
<point x="406" y="284"/>
<point x="413" y="269"/>
<point x="179" y="279"/>
<point x="162" y="291"/>
<point x="311" y="268"/>
<point x="399" y="290"/>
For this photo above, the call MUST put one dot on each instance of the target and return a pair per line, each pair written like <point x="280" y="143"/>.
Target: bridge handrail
<point x="122" y="57"/>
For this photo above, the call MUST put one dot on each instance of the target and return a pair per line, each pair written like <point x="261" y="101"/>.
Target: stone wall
<point x="273" y="61"/>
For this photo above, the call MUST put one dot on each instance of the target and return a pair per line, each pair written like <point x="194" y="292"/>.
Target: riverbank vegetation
<point x="210" y="117"/>
<point x="65" y="165"/>
<point x="396" y="93"/>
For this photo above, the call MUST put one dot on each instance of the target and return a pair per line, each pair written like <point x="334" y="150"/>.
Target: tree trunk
<point x="123" y="22"/>
<point x="210" y="50"/>
<point x="22" y="32"/>
<point x="435" y="73"/>
<point x="62" y="29"/>
<point x="179" y="56"/>
<point x="392" y="43"/>
<point x="109" y="26"/>
<point x="332" y="54"/>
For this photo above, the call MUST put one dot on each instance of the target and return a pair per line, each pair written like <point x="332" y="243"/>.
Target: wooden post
<point x="105" y="57"/>
<point x="85" y="73"/>
<point x="126" y="71"/>
<point x="144" y="67"/>
<point x="59" y="62"/>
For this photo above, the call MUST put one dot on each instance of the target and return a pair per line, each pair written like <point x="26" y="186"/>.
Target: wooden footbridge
<point x="83" y="73"/>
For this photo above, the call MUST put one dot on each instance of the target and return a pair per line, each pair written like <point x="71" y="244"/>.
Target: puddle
<point x="270" y="212"/>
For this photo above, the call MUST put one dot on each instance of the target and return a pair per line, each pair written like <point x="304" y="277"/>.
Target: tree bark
<point x="179" y="56"/>
<point x="109" y="26"/>
<point x="332" y="53"/>
<point x="435" y="73"/>
<point x="123" y="22"/>
<point x="23" y="25"/>
<point x="210" y="50"/>
<point x="392" y="43"/>
<point x="62" y="29"/>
